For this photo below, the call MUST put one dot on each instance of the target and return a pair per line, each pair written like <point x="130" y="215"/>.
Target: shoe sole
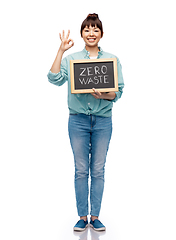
<point x="76" y="229"/>
<point x="98" y="229"/>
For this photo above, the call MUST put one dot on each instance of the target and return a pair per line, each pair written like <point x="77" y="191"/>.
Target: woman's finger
<point x="60" y="36"/>
<point x="72" y="42"/>
<point x="63" y="34"/>
<point x="96" y="92"/>
<point x="68" y="34"/>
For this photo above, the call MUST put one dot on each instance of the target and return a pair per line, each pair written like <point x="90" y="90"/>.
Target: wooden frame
<point x="95" y="71"/>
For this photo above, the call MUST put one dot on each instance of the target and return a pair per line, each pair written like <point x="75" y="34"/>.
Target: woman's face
<point x="91" y="35"/>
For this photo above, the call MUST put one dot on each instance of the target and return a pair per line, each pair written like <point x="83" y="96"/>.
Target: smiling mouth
<point x="91" y="39"/>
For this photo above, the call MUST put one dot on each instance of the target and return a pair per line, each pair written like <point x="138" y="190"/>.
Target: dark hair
<point x="93" y="20"/>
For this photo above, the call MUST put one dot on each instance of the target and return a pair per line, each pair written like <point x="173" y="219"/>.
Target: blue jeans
<point x="89" y="137"/>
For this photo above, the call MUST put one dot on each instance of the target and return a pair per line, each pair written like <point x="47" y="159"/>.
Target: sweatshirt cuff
<point x="53" y="76"/>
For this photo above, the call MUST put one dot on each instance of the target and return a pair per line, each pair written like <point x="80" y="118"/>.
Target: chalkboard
<point x="100" y="74"/>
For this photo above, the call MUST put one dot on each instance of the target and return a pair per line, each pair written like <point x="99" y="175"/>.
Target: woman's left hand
<point x="106" y="96"/>
<point x="96" y="94"/>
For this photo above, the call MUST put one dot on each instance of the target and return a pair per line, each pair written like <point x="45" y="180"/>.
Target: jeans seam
<point x="92" y="122"/>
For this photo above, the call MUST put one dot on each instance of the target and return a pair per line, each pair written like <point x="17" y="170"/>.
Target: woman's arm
<point x="66" y="43"/>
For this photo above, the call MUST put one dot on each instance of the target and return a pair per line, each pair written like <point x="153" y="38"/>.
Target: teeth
<point x="91" y="39"/>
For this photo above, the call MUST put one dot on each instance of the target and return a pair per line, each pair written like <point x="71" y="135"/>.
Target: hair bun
<point x="92" y="16"/>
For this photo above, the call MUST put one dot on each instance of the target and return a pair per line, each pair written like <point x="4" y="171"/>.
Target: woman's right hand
<point x="66" y="42"/>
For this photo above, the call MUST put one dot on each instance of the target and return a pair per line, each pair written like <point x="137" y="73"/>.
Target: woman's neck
<point x="93" y="50"/>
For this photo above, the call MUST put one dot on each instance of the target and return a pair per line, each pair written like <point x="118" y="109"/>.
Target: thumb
<point x="72" y="42"/>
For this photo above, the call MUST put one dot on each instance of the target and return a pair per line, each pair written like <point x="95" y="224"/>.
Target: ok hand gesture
<point x="66" y="42"/>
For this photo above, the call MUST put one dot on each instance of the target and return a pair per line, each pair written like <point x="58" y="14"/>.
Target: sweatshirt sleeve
<point x="120" y="81"/>
<point x="61" y="77"/>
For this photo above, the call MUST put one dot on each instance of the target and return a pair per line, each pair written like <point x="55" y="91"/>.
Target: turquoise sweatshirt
<point x="85" y="103"/>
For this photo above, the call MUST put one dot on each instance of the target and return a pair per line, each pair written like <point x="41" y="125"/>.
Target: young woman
<point x="90" y="123"/>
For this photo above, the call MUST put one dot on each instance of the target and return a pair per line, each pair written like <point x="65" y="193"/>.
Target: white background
<point x="36" y="170"/>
